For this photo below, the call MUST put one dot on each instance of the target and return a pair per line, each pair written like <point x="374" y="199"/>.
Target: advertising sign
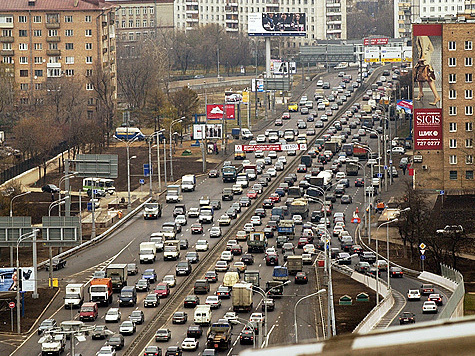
<point x="271" y="147"/>
<point x="371" y="54"/>
<point x="245" y="97"/>
<point x="28" y="279"/>
<point x="376" y="41"/>
<point x="391" y="54"/>
<point x="257" y="84"/>
<point x="276" y="24"/>
<point x="232" y="98"/>
<point x="405" y="105"/>
<point x="202" y="131"/>
<point x="428" y="129"/>
<point x="215" y="111"/>
<point x="8" y="279"/>
<point x="407" y="54"/>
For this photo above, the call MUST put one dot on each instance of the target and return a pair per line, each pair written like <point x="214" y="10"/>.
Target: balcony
<point x="191" y="11"/>
<point x="192" y="2"/>
<point x="53" y="52"/>
<point x="231" y="10"/>
<point x="52" y="25"/>
<point x="334" y="22"/>
<point x="53" y="39"/>
<point x="7" y="39"/>
<point x="232" y="29"/>
<point x="7" y="52"/>
<point x="334" y="30"/>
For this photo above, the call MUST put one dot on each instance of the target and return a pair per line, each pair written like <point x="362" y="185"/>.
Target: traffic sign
<point x="390" y="161"/>
<point x="11" y="305"/>
<point x="423" y="257"/>
<point x="423" y="251"/>
<point x="442" y="192"/>
<point x="380" y="175"/>
<point x="146" y="170"/>
<point x="386" y="168"/>
<point x="422" y="246"/>
<point x="142" y="181"/>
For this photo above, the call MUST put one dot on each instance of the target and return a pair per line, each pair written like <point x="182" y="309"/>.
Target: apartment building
<point x="449" y="166"/>
<point x="46" y="39"/>
<point x="139" y="19"/>
<point x="326" y="19"/>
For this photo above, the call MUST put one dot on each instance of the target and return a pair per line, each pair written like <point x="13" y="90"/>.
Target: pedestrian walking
<point x="404" y="167"/>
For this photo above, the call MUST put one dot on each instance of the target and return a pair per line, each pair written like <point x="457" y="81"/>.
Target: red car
<point x="252" y="194"/>
<point x="302" y="242"/>
<point x="196" y="228"/>
<point x="162" y="290"/>
<point x="275" y="197"/>
<point x="437" y="298"/>
<point x="286" y="116"/>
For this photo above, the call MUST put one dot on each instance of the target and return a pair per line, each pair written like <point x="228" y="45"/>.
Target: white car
<point x="337" y="230"/>
<point x="231" y="317"/>
<point x="256" y="317"/>
<point x="127" y="328"/>
<point x="201" y="245"/>
<point x="170" y="280"/>
<point x="272" y="172"/>
<point x="237" y="189"/>
<point x="320" y="83"/>
<point x="261" y="139"/>
<point x="106" y="351"/>
<point x="399" y="150"/>
<point x="181" y="220"/>
<point x="112" y="315"/>
<point x="249" y="227"/>
<point x="271" y="250"/>
<point x="227" y="256"/>
<point x="256" y="220"/>
<point x="429" y="307"/>
<point x="282" y="159"/>
<point x="215" y="231"/>
<point x="193" y="212"/>
<point x="310" y="248"/>
<point x="340" y="175"/>
<point x="221" y="266"/>
<point x="190" y="344"/>
<point x="413" y="294"/>
<point x="297" y="219"/>
<point x="306" y="258"/>
<point x="259" y="154"/>
<point x="213" y="301"/>
<point x="224" y="220"/>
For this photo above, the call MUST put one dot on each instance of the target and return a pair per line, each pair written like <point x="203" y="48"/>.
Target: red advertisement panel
<point x="428" y="129"/>
<point x="215" y="111"/>
<point x="427" y="30"/>
<point x="376" y="41"/>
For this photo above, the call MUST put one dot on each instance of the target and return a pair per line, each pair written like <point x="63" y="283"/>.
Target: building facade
<point x="42" y="40"/>
<point x="326" y="19"/>
<point x="139" y="19"/>
<point x="450" y="166"/>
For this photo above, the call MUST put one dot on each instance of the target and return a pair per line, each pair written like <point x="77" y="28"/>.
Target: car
<point x="398" y="149"/>
<point x="174" y="351"/>
<point x="437" y="298"/>
<point x="170" y="280"/>
<point x="261" y="138"/>
<point x="213" y="301"/>
<point x="297" y="219"/>
<point x="251" y="194"/>
<point x="137" y="317"/>
<point x="191" y="301"/>
<point x="368" y="256"/>
<point x="196" y="228"/>
<point x="116" y="340"/>
<point x="142" y="285"/>
<point x="247" y="258"/>
<point x="215" y="231"/>
<point x="112" y="316"/>
<point x="236" y="250"/>
<point x="57" y="263"/>
<point x="179" y="317"/>
<point x="306" y="258"/>
<point x="50" y="188"/>
<point x="427" y="289"/>
<point x="211" y="276"/>
<point x="429" y="307"/>
<point x="151" y="300"/>
<point x="359" y="182"/>
<point x="181" y="220"/>
<point x="268" y="204"/>
<point x="407" y="318"/>
<point x="237" y="189"/>
<point x="163" y="335"/>
<point x="310" y="248"/>
<point x="395" y="272"/>
<point x="193" y="212"/>
<point x="46" y="325"/>
<point x="301" y="277"/>
<point x="227" y="256"/>
<point x="346" y="199"/>
<point x="100" y="332"/>
<point x="248" y="227"/>
<point x="202" y="245"/>
<point x="152" y="350"/>
<point x="221" y="266"/>
<point x="454" y="229"/>
<point x="106" y="350"/>
<point x="213" y="173"/>
<point x="256" y="220"/>
<point x="127" y="328"/>
<point x="239" y="266"/>
<point x="150" y="275"/>
<point x="192" y="257"/>
<point x="244" y="201"/>
<point x="216" y="204"/>
<point x="247" y="336"/>
<point x="413" y="294"/>
<point x="132" y="269"/>
<point x="224" y="220"/>
<point x="362" y="267"/>
<point x="162" y="290"/>
<point x="190" y="344"/>
<point x="291" y="107"/>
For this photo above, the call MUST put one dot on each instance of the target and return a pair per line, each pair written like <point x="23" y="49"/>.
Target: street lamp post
<point x="67" y="176"/>
<point x="16" y="196"/>
<point x="150" y="139"/>
<point x="387" y="247"/>
<point x="295" y="311"/>
<point x="171" y="154"/>
<point x="158" y="133"/>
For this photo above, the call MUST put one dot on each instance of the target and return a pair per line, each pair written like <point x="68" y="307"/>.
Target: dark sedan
<point x="247" y="336"/>
<point x="191" y="301"/>
<point x="301" y="277"/>
<point x="248" y="259"/>
<point x="214" y="173"/>
<point x="407" y="318"/>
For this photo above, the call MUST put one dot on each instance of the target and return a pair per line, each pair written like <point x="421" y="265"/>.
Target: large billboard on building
<point x="216" y="111"/>
<point x="376" y="41"/>
<point x="427" y="72"/>
<point x="277" y="24"/>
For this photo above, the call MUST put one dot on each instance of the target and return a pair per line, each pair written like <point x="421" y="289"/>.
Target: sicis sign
<point x="428" y="129"/>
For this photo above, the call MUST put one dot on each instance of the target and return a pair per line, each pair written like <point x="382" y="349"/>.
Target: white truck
<point x="242" y="297"/>
<point x="147" y="252"/>
<point x="202" y="315"/>
<point x="188" y="183"/>
<point x="152" y="210"/>
<point x="206" y="215"/>
<point x="246" y="134"/>
<point x="171" y="250"/>
<point x="74" y="296"/>
<point x="173" y="194"/>
<point x="158" y="239"/>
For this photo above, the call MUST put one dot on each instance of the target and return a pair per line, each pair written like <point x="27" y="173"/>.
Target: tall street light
<point x="67" y="176"/>
<point x="150" y="139"/>
<point x="127" y="150"/>
<point x="158" y="133"/>
<point x="387" y="251"/>
<point x="295" y="311"/>
<point x="11" y="201"/>
<point x="171" y="154"/>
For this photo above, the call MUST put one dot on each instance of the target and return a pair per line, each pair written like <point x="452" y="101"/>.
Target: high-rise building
<point x="326" y="19"/>
<point x="444" y="106"/>
<point x="43" y="40"/>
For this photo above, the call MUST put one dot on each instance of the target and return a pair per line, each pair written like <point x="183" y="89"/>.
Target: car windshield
<point x="150" y="297"/>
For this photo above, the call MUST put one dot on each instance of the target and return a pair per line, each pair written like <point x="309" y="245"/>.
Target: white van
<point x="246" y="134"/>
<point x="202" y="315"/>
<point x="230" y="279"/>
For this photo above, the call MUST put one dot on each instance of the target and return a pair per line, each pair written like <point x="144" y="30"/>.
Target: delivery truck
<point x="173" y="194"/>
<point x="188" y="183"/>
<point x="294" y="264"/>
<point x="242" y="297"/>
<point x="74" y="296"/>
<point x="147" y="252"/>
<point x="152" y="210"/>
<point x="117" y="272"/>
<point x="100" y="291"/>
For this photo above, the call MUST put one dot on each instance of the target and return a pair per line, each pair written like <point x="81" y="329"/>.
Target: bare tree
<point x="186" y="103"/>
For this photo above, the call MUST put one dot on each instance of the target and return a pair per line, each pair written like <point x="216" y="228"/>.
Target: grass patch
<point x="469" y="304"/>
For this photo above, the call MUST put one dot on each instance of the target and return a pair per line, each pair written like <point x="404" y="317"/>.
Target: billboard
<point x="371" y="54"/>
<point x="28" y="279"/>
<point x="375" y="41"/>
<point x="257" y="84"/>
<point x="271" y="147"/>
<point x="407" y="54"/>
<point x="277" y="24"/>
<point x="428" y="129"/>
<point x="427" y="75"/>
<point x="391" y="54"/>
<point x="202" y="131"/>
<point x="216" y="111"/>
<point x="405" y="105"/>
<point x="8" y="279"/>
<point x="278" y="67"/>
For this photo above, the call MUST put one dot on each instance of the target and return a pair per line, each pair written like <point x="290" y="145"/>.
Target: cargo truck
<point x="101" y="291"/>
<point x="332" y="146"/>
<point x="299" y="207"/>
<point x="202" y="315"/>
<point x="294" y="264"/>
<point x="74" y="296"/>
<point x="188" y="183"/>
<point x="256" y="242"/>
<point x="242" y="297"/>
<point x="230" y="173"/>
<point x="251" y="171"/>
<point x="351" y="169"/>
<point x="219" y="336"/>
<point x="323" y="179"/>
<point x="173" y="194"/>
<point x="280" y="273"/>
<point x="359" y="151"/>
<point x="252" y="277"/>
<point x="152" y="210"/>
<point x="286" y="228"/>
<point x="147" y="252"/>
<point x="117" y="272"/>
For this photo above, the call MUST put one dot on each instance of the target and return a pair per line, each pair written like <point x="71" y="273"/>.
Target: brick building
<point x="450" y="165"/>
<point x="46" y="39"/>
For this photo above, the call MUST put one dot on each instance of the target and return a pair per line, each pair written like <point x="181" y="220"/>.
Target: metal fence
<point x="453" y="303"/>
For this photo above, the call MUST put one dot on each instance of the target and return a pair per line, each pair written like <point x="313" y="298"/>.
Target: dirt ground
<point x="33" y="308"/>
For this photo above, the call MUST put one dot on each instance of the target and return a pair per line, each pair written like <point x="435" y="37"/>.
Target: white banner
<point x="202" y="131"/>
<point x="28" y="279"/>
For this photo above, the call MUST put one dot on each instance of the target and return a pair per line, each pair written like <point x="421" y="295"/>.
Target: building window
<point x="68" y="18"/>
<point x="53" y="59"/>
<point x="453" y="159"/>
<point x="23" y="46"/>
<point x="468" y="61"/>
<point x="53" y="46"/>
<point x="452" y="62"/>
<point x="38" y="72"/>
<point x="452" y="94"/>
<point x="469" y="110"/>
<point x="88" y="46"/>
<point x="88" y="33"/>
<point x="453" y="175"/>
<point x="131" y="36"/>
<point x="69" y="60"/>
<point x="468" y="45"/>
<point x="4" y="19"/>
<point x="137" y="23"/>
<point x="37" y="19"/>
<point x="52" y="33"/>
<point x="452" y="78"/>
<point x="469" y="126"/>
<point x="469" y="175"/>
<point x="37" y="33"/>
<point x="7" y="59"/>
<point x="452" y="143"/>
<point x="131" y="23"/>
<point x="38" y="60"/>
<point x="23" y="60"/>
<point x="469" y="142"/>
<point x="53" y="72"/>
<point x="52" y="18"/>
<point x="452" y="45"/>
<point x="452" y="110"/>
<point x="131" y="11"/>
<point x="38" y="86"/>
<point x="88" y="18"/>
<point x="123" y="23"/>
<point x="7" y="33"/>
<point x="38" y="46"/>
<point x="22" y="19"/>
<point x="468" y="94"/>
<point x="89" y="59"/>
<point x="69" y="46"/>
<point x="145" y="11"/>
<point x="89" y="86"/>
<point x="468" y="159"/>
<point x="23" y="33"/>
<point x="69" y="72"/>
<point x="23" y="73"/>
<point x="152" y="11"/>
<point x="468" y="77"/>
<point x="69" y="33"/>
<point x="7" y="46"/>
<point x="90" y="101"/>
<point x="144" y="23"/>
<point x="137" y="11"/>
<point x="24" y="86"/>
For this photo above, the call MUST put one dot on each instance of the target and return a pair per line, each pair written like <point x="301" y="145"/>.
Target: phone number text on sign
<point x="428" y="129"/>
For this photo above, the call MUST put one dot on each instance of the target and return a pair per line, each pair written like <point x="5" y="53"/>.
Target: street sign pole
<point x="12" y="306"/>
